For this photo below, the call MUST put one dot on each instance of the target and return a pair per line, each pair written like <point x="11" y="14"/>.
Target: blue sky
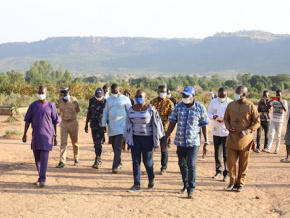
<point x="33" y="20"/>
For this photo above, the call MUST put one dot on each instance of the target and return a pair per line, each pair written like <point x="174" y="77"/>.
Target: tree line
<point x="42" y="72"/>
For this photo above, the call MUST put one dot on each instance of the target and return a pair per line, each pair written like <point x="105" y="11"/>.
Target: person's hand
<point x="123" y="144"/>
<point x="55" y="141"/>
<point x="204" y="150"/>
<point x="104" y="129"/>
<point x="164" y="143"/>
<point x="86" y="128"/>
<point x="220" y="120"/>
<point x="242" y="134"/>
<point x="24" y="138"/>
<point x="232" y="129"/>
<point x="215" y="116"/>
<point x="280" y="99"/>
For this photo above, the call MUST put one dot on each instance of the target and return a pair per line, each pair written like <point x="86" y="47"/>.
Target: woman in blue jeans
<point x="142" y="133"/>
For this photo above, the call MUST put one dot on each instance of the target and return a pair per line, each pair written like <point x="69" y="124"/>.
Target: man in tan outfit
<point x="69" y="109"/>
<point x="241" y="119"/>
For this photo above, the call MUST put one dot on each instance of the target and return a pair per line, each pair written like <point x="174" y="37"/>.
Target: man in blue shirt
<point x="190" y="117"/>
<point x="115" y="114"/>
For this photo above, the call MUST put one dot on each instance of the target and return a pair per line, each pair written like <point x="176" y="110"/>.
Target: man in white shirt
<point x="216" y="111"/>
<point x="279" y="107"/>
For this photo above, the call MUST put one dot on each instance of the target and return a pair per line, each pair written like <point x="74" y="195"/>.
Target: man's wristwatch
<point x="246" y="132"/>
<point x="206" y="143"/>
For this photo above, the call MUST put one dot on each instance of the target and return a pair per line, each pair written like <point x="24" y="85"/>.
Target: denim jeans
<point x="219" y="148"/>
<point x="266" y="126"/>
<point x="117" y="147"/>
<point x="142" y="145"/>
<point x="187" y="163"/>
<point x="164" y="157"/>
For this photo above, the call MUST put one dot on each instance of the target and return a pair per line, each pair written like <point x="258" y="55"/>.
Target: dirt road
<point x="86" y="192"/>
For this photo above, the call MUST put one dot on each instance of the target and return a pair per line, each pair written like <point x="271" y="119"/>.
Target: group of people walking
<point x="145" y="127"/>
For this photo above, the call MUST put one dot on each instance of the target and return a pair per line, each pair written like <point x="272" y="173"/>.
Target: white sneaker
<point x="266" y="150"/>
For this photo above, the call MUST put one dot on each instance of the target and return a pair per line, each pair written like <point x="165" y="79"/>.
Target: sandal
<point x="285" y="160"/>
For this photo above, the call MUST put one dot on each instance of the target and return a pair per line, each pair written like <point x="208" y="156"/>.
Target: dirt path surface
<point x="86" y="192"/>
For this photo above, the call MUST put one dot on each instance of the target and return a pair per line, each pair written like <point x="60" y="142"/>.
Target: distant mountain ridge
<point x="244" y="51"/>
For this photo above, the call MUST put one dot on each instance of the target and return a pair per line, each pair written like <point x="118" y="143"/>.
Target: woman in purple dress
<point x="43" y="117"/>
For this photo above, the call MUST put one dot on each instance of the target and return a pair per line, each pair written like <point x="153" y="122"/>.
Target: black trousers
<point x="266" y="126"/>
<point x="219" y="148"/>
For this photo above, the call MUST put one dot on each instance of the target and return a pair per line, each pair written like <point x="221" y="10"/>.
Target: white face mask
<point x="222" y="100"/>
<point x="186" y="100"/>
<point x="66" y="97"/>
<point x="115" y="95"/>
<point x="237" y="96"/>
<point x="99" y="98"/>
<point x="162" y="95"/>
<point x="41" y="97"/>
<point x="169" y="96"/>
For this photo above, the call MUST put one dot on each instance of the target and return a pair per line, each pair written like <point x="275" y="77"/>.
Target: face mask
<point x="98" y="98"/>
<point x="66" y="97"/>
<point x="186" y="100"/>
<point x="115" y="95"/>
<point x="221" y="100"/>
<point x="139" y="100"/>
<point x="169" y="96"/>
<point x="162" y="95"/>
<point x="41" y="97"/>
<point x="237" y="96"/>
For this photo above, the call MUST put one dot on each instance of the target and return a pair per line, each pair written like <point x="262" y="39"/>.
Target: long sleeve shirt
<point x="115" y="114"/>
<point x="243" y="117"/>
<point x="217" y="108"/>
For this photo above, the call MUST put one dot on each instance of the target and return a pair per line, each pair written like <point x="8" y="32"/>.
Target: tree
<point x="40" y="72"/>
<point x="172" y="84"/>
<point x="15" y="77"/>
<point x="231" y="83"/>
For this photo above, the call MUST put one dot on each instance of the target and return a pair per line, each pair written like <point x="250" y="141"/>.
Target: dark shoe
<point x="151" y="183"/>
<point x="41" y="184"/>
<point x="163" y="171"/>
<point x="98" y="162"/>
<point x="115" y="170"/>
<point x="134" y="188"/>
<point x="230" y="188"/>
<point x="182" y="191"/>
<point x="241" y="188"/>
<point x="226" y="178"/>
<point x="217" y="175"/>
<point x="76" y="162"/>
<point x="190" y="195"/>
<point x="60" y="165"/>
<point x="36" y="183"/>
<point x="257" y="150"/>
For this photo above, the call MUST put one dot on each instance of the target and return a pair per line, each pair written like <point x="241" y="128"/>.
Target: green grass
<point x="9" y="133"/>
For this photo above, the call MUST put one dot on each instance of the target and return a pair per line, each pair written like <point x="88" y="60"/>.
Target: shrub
<point x="9" y="133"/>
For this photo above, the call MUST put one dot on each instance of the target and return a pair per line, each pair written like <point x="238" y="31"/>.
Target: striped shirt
<point x="142" y="122"/>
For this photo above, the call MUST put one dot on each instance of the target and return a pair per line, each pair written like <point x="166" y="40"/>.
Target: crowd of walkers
<point x="144" y="127"/>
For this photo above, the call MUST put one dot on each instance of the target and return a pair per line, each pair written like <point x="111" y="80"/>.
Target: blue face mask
<point x="237" y="96"/>
<point x="139" y="100"/>
<point x="66" y="97"/>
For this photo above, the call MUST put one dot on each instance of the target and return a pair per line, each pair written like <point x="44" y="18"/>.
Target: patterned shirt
<point x="264" y="112"/>
<point x="142" y="122"/>
<point x="164" y="108"/>
<point x="97" y="109"/>
<point x="189" y="120"/>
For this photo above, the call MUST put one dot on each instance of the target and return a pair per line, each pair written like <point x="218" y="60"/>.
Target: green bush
<point x="12" y="132"/>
